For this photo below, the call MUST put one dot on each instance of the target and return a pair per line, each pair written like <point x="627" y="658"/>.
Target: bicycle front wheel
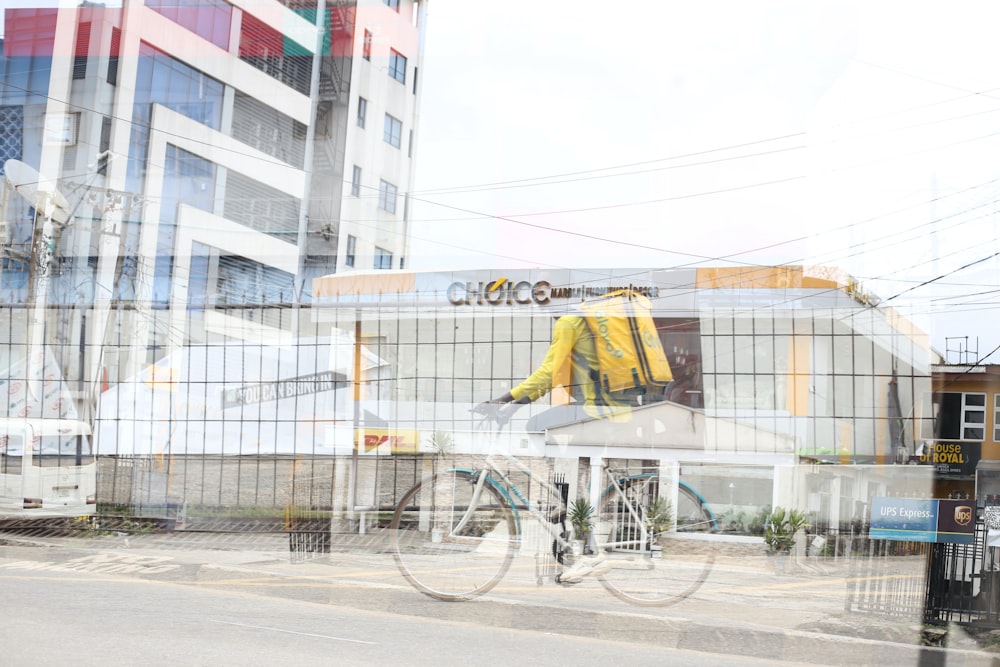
<point x="656" y="572"/>
<point x="448" y="544"/>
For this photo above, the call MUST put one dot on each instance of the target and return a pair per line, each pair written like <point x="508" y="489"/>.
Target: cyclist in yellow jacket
<point x="570" y="365"/>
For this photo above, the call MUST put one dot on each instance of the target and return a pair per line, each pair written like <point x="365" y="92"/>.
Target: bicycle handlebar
<point x="497" y="413"/>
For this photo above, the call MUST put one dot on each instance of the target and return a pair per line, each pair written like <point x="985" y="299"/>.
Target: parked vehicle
<point x="47" y="468"/>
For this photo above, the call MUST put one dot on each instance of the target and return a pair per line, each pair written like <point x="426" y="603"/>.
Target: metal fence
<point x="886" y="578"/>
<point x="939" y="583"/>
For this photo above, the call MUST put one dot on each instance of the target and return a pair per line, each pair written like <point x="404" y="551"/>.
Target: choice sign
<point x="923" y="520"/>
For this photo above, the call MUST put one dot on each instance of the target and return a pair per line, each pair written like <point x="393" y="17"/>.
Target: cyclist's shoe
<point x="585" y="567"/>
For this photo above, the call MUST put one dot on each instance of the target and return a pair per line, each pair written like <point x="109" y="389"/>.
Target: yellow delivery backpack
<point x="629" y="351"/>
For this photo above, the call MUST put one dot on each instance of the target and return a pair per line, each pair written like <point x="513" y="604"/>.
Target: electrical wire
<point x="653" y="201"/>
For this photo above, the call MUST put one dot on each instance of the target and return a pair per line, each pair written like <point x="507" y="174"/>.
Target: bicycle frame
<point x="505" y="486"/>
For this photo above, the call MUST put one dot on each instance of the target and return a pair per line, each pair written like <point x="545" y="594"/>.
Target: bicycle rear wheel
<point x="669" y="570"/>
<point x="447" y="550"/>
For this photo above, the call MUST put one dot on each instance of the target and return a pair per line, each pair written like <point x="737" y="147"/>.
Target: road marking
<point x="814" y="583"/>
<point x="102" y="563"/>
<point x="295" y="632"/>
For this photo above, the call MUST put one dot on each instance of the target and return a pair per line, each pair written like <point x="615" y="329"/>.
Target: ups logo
<point x="963" y="515"/>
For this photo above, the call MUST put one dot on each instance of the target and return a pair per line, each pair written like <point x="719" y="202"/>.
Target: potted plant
<point x="659" y="519"/>
<point x="581" y="517"/>
<point x="780" y="529"/>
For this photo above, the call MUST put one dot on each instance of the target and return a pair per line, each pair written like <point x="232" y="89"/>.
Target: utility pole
<point x="51" y="212"/>
<point x="107" y="262"/>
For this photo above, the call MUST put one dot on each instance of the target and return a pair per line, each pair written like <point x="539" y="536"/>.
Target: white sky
<point x="857" y="135"/>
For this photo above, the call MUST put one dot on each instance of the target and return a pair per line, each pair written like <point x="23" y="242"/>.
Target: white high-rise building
<point x="169" y="163"/>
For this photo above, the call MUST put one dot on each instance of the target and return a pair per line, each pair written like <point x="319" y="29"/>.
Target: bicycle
<point x="455" y="534"/>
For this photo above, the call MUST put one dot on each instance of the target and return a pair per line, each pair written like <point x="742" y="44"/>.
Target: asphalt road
<point x="87" y="618"/>
<point x="185" y="598"/>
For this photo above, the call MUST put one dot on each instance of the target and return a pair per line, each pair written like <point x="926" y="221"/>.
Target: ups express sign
<point x="923" y="520"/>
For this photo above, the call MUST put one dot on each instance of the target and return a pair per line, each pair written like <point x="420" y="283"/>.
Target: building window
<point x="82" y="46"/>
<point x="362" y="111"/>
<point x="160" y="79"/>
<point x="387" y="196"/>
<point x="263" y="127"/>
<point x="104" y="146"/>
<point x="209" y="19"/>
<point x="239" y="281"/>
<point x="393" y="131"/>
<point x="397" y="65"/>
<point x="366" y="47"/>
<point x="383" y="258"/>
<point x="164" y="80"/>
<point x="116" y="47"/>
<point x="392" y="4"/>
<point x="959" y="416"/>
<point x="258" y="206"/>
<point x="352" y="246"/>
<point x="356" y="182"/>
<point x="264" y="47"/>
<point x="11" y="132"/>
<point x="996" y="417"/>
<point x="61" y="129"/>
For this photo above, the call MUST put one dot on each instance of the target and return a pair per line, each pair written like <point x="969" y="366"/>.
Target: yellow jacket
<point x="571" y="363"/>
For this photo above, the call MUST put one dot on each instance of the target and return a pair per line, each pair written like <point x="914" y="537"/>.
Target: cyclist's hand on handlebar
<point x="491" y="412"/>
<point x="487" y="408"/>
<point x="500" y="410"/>
<point x="492" y="406"/>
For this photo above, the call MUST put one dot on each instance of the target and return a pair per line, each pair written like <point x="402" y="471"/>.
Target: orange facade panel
<point x="765" y="277"/>
<point x="349" y="284"/>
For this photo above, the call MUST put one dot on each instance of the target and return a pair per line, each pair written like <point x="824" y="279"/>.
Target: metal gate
<point x="963" y="582"/>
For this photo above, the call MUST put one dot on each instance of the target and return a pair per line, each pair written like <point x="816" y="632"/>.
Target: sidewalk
<point x="746" y="607"/>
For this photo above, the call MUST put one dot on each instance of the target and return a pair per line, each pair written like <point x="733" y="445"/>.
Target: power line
<point x="944" y="275"/>
<point x="548" y="180"/>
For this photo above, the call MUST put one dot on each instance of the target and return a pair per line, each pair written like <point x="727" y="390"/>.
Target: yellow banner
<point x="399" y="441"/>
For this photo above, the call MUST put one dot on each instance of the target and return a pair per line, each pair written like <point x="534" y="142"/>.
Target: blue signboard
<point x="923" y="520"/>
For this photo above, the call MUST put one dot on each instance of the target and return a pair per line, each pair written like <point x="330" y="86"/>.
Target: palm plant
<point x="659" y="518"/>
<point x="442" y="443"/>
<point x="581" y="516"/>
